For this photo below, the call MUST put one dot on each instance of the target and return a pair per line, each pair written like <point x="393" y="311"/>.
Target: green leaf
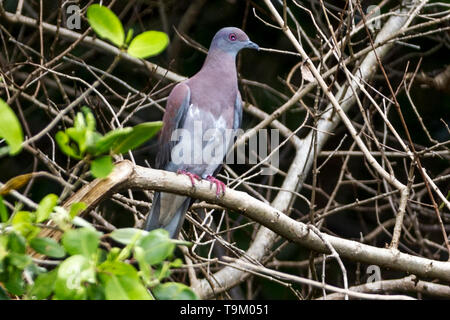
<point x="3" y="250"/>
<point x="140" y="134"/>
<point x="126" y="235"/>
<point x="162" y="271"/>
<point x="174" y="291"/>
<point x="79" y="135"/>
<point x="113" y="254"/>
<point x="118" y="268"/>
<point x="122" y="282"/>
<point x="89" y="118"/>
<point x="4" y="216"/>
<point x="22" y="222"/>
<point x="10" y="128"/>
<point x="79" y="122"/>
<point x="14" y="283"/>
<point x="106" y="143"/>
<point x="122" y="140"/>
<point x="80" y="222"/>
<point x="125" y="288"/>
<point x="106" y="24"/>
<point x="19" y="260"/>
<point x="95" y="292"/>
<point x="73" y="273"/>
<point x="148" y="43"/>
<point x="129" y="35"/>
<point x="82" y="241"/>
<point x="48" y="247"/>
<point x="43" y="285"/>
<point x="64" y="143"/>
<point x="76" y="208"/>
<point x="157" y="246"/>
<point x="3" y="294"/>
<point x="102" y="167"/>
<point x="91" y="140"/>
<point x="16" y="243"/>
<point x="145" y="270"/>
<point x="177" y="263"/>
<point x="46" y="207"/>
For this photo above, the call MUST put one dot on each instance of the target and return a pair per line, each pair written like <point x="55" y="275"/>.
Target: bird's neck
<point x="222" y="64"/>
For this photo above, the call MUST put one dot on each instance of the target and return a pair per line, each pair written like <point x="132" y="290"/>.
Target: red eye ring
<point x="232" y="37"/>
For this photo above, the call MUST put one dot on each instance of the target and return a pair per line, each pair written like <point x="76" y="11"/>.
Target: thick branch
<point x="126" y="175"/>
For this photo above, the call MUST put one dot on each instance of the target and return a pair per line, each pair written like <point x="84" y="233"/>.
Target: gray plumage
<point x="200" y="114"/>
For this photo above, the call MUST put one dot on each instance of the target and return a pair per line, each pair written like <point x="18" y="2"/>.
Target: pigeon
<point x="202" y="115"/>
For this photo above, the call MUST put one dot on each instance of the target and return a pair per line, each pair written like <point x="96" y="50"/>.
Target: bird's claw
<point x="220" y="186"/>
<point x="191" y="176"/>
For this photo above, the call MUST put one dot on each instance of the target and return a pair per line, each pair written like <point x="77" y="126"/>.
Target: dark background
<point x="265" y="67"/>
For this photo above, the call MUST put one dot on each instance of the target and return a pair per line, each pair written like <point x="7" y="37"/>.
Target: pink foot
<point x="220" y="186"/>
<point x="191" y="176"/>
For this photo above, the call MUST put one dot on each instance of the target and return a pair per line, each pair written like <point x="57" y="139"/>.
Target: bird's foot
<point x="191" y="176"/>
<point x="220" y="186"/>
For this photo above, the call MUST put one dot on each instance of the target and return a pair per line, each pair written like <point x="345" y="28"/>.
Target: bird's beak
<point x="251" y="45"/>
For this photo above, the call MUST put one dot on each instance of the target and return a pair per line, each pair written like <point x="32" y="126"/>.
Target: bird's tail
<point x="167" y="212"/>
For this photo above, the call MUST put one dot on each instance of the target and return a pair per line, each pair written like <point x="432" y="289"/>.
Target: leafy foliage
<point x="108" y="26"/>
<point x="148" y="44"/>
<point x="86" y="268"/>
<point x="10" y="130"/>
<point x="83" y="140"/>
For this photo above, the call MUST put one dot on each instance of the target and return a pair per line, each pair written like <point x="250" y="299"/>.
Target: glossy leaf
<point x="16" y="243"/>
<point x="140" y="134"/>
<point x="173" y="291"/>
<point x="10" y="128"/>
<point x="148" y="44"/>
<point x="73" y="273"/>
<point x="118" y="268"/>
<point x="122" y="282"/>
<point x="125" y="288"/>
<point x="157" y="246"/>
<point x="102" y="167"/>
<point x="95" y="292"/>
<point x="126" y="235"/>
<point x="129" y="35"/>
<point x="106" y="24"/>
<point x="3" y="294"/>
<point x="15" y="283"/>
<point x="43" y="285"/>
<point x="19" y="260"/>
<point x="82" y="241"/>
<point x="79" y="136"/>
<point x="80" y="222"/>
<point x="22" y="222"/>
<point x="76" y="208"/>
<point x="66" y="145"/>
<point x="107" y="142"/>
<point x="89" y="118"/>
<point x="4" y="216"/>
<point x="48" y="247"/>
<point x="46" y="207"/>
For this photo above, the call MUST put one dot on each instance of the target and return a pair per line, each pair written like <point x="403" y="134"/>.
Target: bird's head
<point x="232" y="40"/>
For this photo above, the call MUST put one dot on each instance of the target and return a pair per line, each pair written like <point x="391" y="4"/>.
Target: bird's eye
<point x="232" y="37"/>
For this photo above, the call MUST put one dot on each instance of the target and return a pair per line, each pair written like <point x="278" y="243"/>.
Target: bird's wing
<point x="177" y="105"/>
<point x="168" y="209"/>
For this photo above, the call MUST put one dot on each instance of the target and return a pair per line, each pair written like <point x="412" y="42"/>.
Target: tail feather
<point x="167" y="212"/>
